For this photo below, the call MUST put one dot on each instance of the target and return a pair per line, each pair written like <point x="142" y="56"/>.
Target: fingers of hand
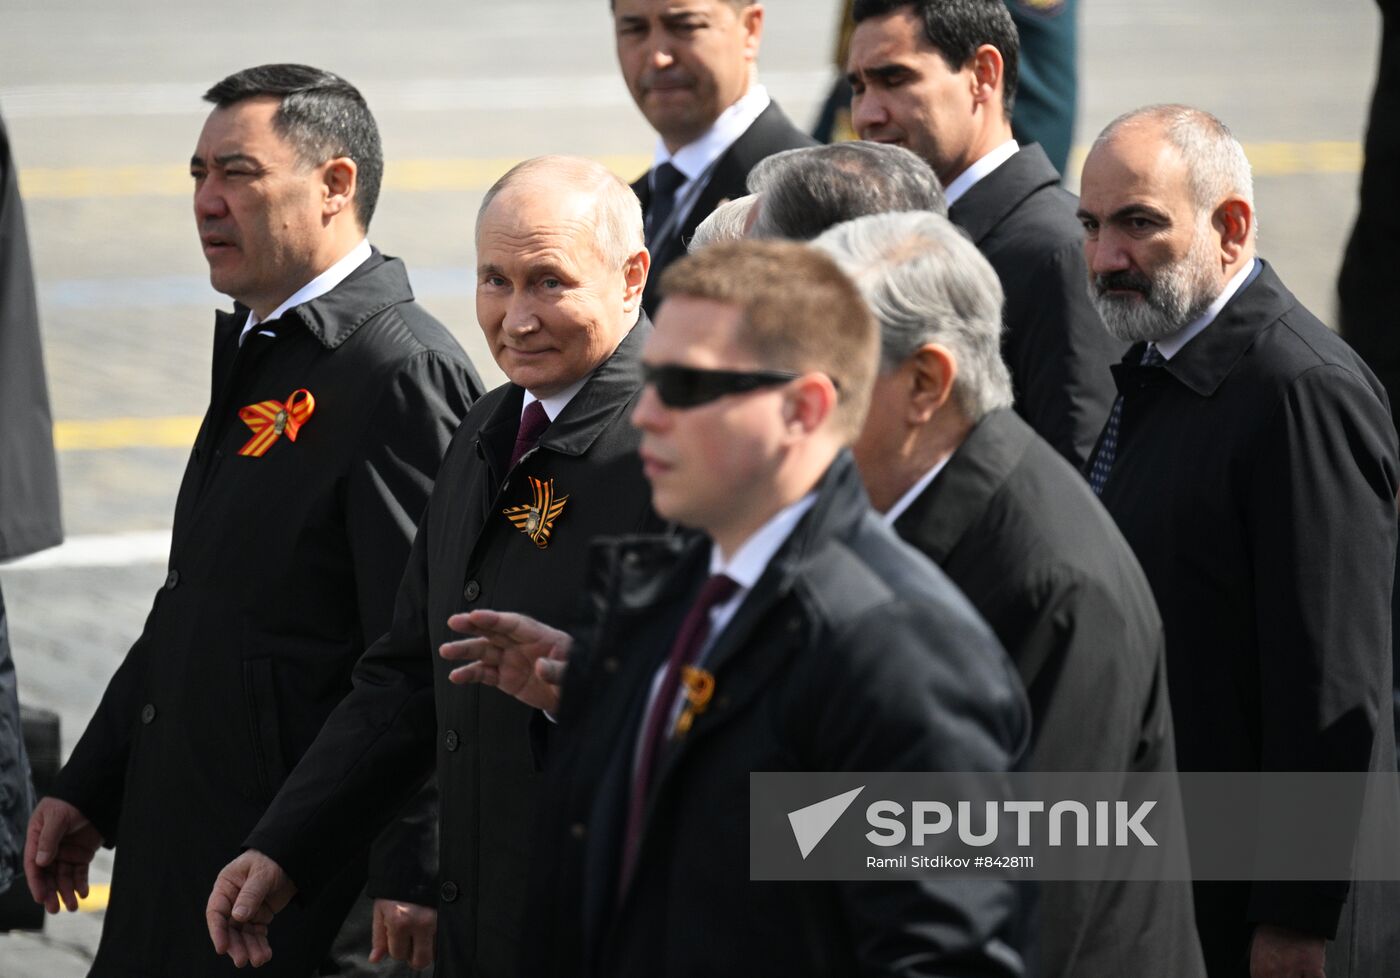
<point x="551" y="671"/>
<point x="471" y="650"/>
<point x="475" y="673"/>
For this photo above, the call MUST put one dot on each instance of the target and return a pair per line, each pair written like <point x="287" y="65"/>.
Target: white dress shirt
<point x="317" y="287"/>
<point x="557" y="402"/>
<point x="1172" y="345"/>
<point x="969" y="178"/>
<point x="696" y="160"/>
<point x="907" y="500"/>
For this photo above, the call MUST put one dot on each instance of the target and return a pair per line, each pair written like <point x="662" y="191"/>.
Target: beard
<point x="1167" y="299"/>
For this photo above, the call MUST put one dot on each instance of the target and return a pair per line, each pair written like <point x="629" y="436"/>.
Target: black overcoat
<point x="404" y="714"/>
<point x="851" y="653"/>
<point x="1021" y="534"/>
<point x="1059" y="353"/>
<point x="770" y="133"/>
<point x="282" y="570"/>
<point x="1255" y="479"/>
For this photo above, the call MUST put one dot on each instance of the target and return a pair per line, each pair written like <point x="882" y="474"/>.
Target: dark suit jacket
<point x="29" y="510"/>
<point x="770" y="133"/>
<point x="1021" y="534"/>
<point x="282" y="570"/>
<point x="1055" y="344"/>
<point x="404" y="714"/>
<point x="799" y="686"/>
<point x="1255" y="479"/>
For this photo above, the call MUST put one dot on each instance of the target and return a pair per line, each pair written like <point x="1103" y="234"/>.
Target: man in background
<point x="692" y="68"/>
<point x="940" y="77"/>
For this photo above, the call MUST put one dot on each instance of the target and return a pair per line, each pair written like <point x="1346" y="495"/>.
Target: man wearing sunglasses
<point x="539" y="467"/>
<point x="793" y="632"/>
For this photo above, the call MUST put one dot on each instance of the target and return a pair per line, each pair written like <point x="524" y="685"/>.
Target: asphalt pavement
<point x="103" y="106"/>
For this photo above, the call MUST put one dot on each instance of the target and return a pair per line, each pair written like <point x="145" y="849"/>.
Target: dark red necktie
<point x="694" y="630"/>
<point x="532" y="425"/>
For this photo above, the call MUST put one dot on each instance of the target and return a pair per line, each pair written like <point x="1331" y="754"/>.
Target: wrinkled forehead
<point x="1135" y="163"/>
<point x="533" y="221"/>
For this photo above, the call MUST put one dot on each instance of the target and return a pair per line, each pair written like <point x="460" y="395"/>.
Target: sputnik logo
<point x="811" y="824"/>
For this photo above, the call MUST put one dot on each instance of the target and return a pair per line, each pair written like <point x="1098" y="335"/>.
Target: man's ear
<point x="751" y="21"/>
<point x="933" y="369"/>
<point x="1233" y="220"/>
<point x="988" y="73"/>
<point x="810" y="404"/>
<point x="341" y="175"/>
<point x="634" y="280"/>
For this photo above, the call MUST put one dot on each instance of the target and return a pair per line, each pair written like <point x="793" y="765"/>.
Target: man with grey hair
<point x="728" y="222"/>
<point x="965" y="480"/>
<point x="802" y="192"/>
<point x="539" y="467"/>
<point x="1251" y="463"/>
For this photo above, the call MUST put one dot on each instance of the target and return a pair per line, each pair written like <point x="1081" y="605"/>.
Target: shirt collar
<point x="695" y="158"/>
<point x="318" y="286"/>
<point x="556" y="402"/>
<point x="968" y="178"/>
<point x="915" y="491"/>
<point x="752" y="558"/>
<point x="1171" y="345"/>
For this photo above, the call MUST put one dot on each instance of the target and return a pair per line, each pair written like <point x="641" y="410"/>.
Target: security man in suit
<point x="334" y="395"/>
<point x="692" y="69"/>
<point x="961" y="477"/>
<point x="940" y="77"/>
<point x="541" y="466"/>
<point x="1251" y="463"/>
<point x="713" y="655"/>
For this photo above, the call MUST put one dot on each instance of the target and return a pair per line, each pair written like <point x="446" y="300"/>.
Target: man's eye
<point x="551" y="283"/>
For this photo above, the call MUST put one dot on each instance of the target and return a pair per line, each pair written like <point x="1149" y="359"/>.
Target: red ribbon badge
<point x="270" y="419"/>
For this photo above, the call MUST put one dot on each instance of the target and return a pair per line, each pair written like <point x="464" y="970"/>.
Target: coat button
<point x="172" y="579"/>
<point x="451" y="741"/>
<point x="610" y="664"/>
<point x="148" y="713"/>
<point x="448" y="892"/>
<point x="578" y="830"/>
<point x="472" y="591"/>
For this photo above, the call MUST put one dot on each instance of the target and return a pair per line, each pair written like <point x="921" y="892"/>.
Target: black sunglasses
<point x="687" y="387"/>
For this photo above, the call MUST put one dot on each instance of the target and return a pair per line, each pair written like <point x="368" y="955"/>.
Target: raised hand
<point x="516" y="654"/>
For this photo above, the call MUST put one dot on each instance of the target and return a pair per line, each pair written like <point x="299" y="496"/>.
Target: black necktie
<point x="532" y="425"/>
<point x="1108" y="447"/>
<point x="665" y="181"/>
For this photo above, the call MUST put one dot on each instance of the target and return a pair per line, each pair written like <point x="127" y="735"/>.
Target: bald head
<point x="561" y="266"/>
<point x="586" y="190"/>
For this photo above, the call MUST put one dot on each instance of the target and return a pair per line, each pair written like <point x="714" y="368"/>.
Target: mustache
<point x="1124" y="280"/>
<point x="670" y="77"/>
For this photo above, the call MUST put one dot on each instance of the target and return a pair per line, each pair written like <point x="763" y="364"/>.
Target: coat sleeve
<point x="1321" y="520"/>
<point x="954" y="707"/>
<point x="305" y="828"/>
<point x="1060" y="355"/>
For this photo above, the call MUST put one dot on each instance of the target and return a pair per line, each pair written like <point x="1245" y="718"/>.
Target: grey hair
<point x="619" y="228"/>
<point x="1215" y="161"/>
<point x="927" y="283"/>
<point x="727" y="222"/>
<point x="805" y="191"/>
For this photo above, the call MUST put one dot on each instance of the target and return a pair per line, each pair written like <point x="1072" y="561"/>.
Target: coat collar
<point x="954" y="501"/>
<point x="1203" y="364"/>
<point x="332" y="318"/>
<point x="993" y="198"/>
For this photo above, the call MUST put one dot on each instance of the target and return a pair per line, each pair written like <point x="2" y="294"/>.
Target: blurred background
<point x="103" y="106"/>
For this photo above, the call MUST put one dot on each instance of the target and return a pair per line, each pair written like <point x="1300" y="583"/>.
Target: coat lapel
<point x="993" y="198"/>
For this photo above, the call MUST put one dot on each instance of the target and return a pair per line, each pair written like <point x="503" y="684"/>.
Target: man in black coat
<point x="334" y="396"/>
<point x="692" y="73"/>
<point x="540" y="466"/>
<point x="759" y="374"/>
<point x="1252" y="465"/>
<point x="29" y="510"/>
<point x="939" y="77"/>
<point x="961" y="477"/>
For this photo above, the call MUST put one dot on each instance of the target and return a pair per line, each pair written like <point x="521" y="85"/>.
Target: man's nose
<point x="650" y="413"/>
<point x="209" y="202"/>
<point x="1106" y="254"/>
<point x="520" y="315"/>
<point x="867" y="112"/>
<point x="661" y="56"/>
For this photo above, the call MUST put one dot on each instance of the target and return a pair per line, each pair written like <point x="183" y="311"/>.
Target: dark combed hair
<point x="322" y="115"/>
<point x="957" y="28"/>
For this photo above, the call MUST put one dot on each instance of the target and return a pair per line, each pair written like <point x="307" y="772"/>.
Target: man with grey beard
<point x="1251" y="463"/>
